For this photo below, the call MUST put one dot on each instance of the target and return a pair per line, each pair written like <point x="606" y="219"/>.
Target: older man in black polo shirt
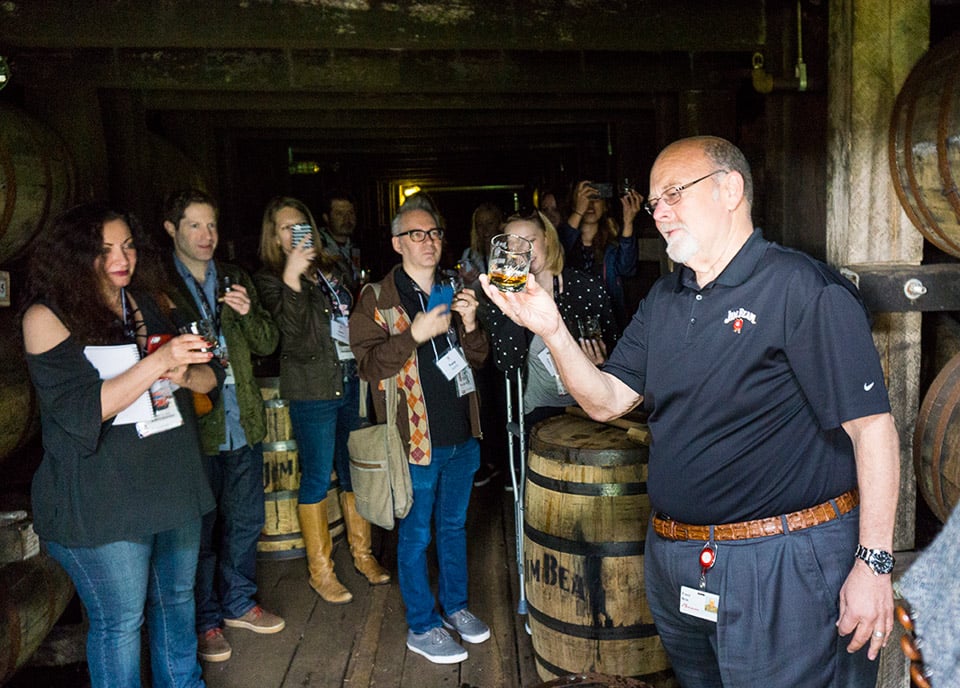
<point x="774" y="451"/>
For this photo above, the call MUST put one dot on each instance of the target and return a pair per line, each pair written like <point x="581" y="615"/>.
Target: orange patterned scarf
<point x="408" y="382"/>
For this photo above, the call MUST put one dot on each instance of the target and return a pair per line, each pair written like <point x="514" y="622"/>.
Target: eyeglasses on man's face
<point x="419" y="235"/>
<point x="671" y="196"/>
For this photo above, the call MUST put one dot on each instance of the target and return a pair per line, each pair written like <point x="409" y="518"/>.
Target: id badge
<point x="344" y="352"/>
<point x="699" y="603"/>
<point x="225" y="361"/>
<point x="340" y="330"/>
<point x="451" y="363"/>
<point x="465" y="382"/>
<point x="546" y="358"/>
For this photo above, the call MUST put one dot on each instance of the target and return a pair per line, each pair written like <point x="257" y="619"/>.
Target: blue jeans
<point x="441" y="494"/>
<point x="348" y="420"/>
<point x="321" y="428"/>
<point x="226" y="571"/>
<point x="779" y="604"/>
<point x="115" y="582"/>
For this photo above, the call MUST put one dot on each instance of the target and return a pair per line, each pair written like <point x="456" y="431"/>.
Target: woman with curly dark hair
<point x="119" y="493"/>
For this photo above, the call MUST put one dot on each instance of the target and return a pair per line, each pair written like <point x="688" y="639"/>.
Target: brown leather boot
<point x="358" y="535"/>
<point x="316" y="538"/>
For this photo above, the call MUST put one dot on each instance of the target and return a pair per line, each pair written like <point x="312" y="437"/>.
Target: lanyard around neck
<point x="127" y="315"/>
<point x="332" y="293"/>
<point x="423" y="307"/>
<point x="208" y="312"/>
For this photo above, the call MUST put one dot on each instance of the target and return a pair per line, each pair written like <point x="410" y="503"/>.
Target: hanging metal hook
<point x="764" y="82"/>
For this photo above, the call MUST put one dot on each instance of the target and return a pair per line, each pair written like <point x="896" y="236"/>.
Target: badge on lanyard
<point x="452" y="362"/>
<point x="546" y="358"/>
<point x="700" y="603"/>
<point x="225" y="361"/>
<point x="344" y="352"/>
<point x="465" y="382"/>
<point x="340" y="329"/>
<point x="340" y="332"/>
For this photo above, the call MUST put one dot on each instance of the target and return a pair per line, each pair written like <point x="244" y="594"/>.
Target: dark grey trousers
<point x="778" y="608"/>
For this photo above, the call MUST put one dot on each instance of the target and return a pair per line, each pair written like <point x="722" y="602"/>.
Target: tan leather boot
<point x="358" y="535"/>
<point x="316" y="538"/>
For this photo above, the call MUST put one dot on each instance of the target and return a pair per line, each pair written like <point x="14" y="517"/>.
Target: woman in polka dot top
<point x="584" y="305"/>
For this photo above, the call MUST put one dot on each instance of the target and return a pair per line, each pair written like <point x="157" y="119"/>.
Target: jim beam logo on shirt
<point x="738" y="317"/>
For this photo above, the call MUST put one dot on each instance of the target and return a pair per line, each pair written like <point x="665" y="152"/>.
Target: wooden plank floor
<point x="362" y="644"/>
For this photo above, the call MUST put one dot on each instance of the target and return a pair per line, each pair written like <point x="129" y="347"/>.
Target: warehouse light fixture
<point x="4" y="73"/>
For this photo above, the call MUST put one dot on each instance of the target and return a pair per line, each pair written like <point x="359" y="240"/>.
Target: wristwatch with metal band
<point x="879" y="561"/>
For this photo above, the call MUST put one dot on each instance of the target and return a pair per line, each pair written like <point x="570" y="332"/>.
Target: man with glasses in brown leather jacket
<point x="430" y="353"/>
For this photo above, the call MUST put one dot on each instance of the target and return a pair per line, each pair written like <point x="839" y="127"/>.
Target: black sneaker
<point x="485" y="474"/>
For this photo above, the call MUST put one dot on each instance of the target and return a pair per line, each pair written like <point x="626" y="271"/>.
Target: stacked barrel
<point x="37" y="183"/>
<point x="281" y="537"/>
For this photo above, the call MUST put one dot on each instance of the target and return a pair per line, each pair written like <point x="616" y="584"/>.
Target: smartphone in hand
<point x="301" y="231"/>
<point x="155" y="341"/>
<point x="603" y="190"/>
<point x="440" y="294"/>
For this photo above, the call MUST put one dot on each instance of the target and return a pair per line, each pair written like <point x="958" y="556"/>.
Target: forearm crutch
<point x="516" y="439"/>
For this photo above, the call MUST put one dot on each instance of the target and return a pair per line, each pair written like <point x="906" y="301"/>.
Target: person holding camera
<point x="232" y="432"/>
<point x="307" y="295"/>
<point x="117" y="501"/>
<point x="590" y="239"/>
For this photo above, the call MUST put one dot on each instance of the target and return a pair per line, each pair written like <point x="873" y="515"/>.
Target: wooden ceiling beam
<point x="646" y="25"/>
<point x="255" y="76"/>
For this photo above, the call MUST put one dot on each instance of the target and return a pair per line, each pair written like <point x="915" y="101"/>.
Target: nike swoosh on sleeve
<point x="867" y="387"/>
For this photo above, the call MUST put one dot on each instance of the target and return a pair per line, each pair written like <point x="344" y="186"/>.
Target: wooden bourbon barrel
<point x="19" y="412"/>
<point x="33" y="594"/>
<point x="586" y="512"/>
<point x="37" y="180"/>
<point x="281" y="537"/>
<point x="924" y="145"/>
<point x="591" y="680"/>
<point x="936" y="442"/>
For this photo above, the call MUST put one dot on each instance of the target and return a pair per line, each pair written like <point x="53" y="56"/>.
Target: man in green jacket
<point x="223" y="297"/>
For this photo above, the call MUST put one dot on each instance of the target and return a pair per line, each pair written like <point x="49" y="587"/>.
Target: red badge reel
<point x="708" y="557"/>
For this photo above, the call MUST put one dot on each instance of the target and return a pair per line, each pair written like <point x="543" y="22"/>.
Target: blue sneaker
<point x="470" y="628"/>
<point x="437" y="645"/>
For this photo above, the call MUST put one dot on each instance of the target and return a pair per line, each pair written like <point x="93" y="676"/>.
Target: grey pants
<point x="932" y="587"/>
<point x="779" y="604"/>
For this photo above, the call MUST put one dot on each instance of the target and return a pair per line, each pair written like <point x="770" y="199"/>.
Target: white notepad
<point x="110" y="361"/>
